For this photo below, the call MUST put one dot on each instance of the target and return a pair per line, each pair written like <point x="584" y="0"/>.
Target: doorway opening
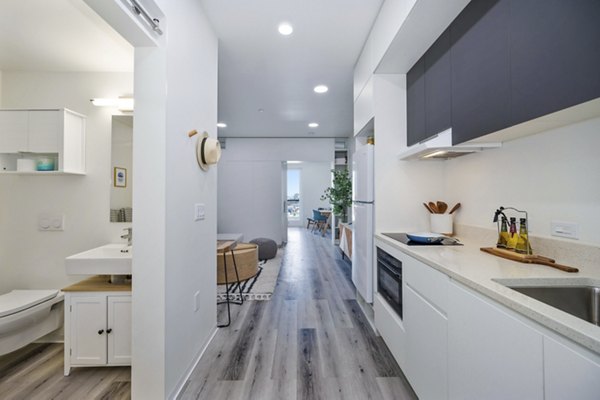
<point x="294" y="197"/>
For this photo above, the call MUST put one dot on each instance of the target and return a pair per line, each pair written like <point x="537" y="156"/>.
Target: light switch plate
<point x="51" y="222"/>
<point x="564" y="229"/>
<point x="199" y="212"/>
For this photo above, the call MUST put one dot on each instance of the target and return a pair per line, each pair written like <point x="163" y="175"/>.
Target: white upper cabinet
<point x="31" y="134"/>
<point x="13" y="131"/>
<point x="44" y="131"/>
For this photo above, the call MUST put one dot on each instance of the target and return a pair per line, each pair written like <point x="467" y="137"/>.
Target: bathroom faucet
<point x="128" y="236"/>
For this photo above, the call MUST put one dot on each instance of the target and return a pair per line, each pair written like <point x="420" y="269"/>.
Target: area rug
<point x="261" y="286"/>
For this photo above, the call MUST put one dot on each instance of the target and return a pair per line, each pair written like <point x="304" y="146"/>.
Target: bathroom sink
<point x="104" y="260"/>
<point x="581" y="301"/>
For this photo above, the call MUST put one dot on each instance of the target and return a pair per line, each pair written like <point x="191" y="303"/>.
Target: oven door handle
<point x="390" y="270"/>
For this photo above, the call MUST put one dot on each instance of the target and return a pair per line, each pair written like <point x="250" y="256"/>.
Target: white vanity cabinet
<point x="97" y="325"/>
<point x="54" y="133"/>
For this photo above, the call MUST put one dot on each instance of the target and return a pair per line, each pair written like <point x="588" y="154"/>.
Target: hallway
<point x="310" y="341"/>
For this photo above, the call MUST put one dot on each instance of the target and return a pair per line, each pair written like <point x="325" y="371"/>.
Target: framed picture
<point x="120" y="177"/>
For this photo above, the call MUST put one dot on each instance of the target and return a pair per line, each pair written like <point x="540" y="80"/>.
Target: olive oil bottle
<point x="503" y="235"/>
<point x="513" y="236"/>
<point x="523" y="245"/>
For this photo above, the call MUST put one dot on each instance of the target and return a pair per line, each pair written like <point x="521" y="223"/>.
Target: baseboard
<point x="181" y="384"/>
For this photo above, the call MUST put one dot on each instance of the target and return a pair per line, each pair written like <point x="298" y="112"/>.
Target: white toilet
<point x="27" y="315"/>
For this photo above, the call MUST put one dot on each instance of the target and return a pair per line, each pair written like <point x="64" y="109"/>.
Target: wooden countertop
<point x="98" y="283"/>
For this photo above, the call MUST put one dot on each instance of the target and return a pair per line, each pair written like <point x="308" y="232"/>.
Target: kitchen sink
<point x="580" y="301"/>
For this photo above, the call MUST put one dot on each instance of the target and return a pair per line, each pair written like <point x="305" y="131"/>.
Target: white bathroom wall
<point x="250" y="182"/>
<point x="122" y="157"/>
<point x="34" y="259"/>
<point x="174" y="263"/>
<point x="553" y="175"/>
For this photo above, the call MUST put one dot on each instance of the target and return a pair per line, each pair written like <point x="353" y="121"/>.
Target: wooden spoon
<point x="428" y="208"/>
<point x="433" y="207"/>
<point x="442" y="207"/>
<point x="456" y="207"/>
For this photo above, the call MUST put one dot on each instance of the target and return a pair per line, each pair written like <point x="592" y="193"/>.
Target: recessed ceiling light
<point x="285" y="29"/>
<point x="221" y="125"/>
<point x="313" y="125"/>
<point x="261" y="110"/>
<point x="321" y="89"/>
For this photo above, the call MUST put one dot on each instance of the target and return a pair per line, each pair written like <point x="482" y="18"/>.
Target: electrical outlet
<point x="51" y="222"/>
<point x="196" y="301"/>
<point x="199" y="212"/>
<point x="565" y="229"/>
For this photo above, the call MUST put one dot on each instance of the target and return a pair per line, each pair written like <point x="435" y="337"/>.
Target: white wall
<point x="553" y="175"/>
<point x="122" y="157"/>
<point x="250" y="182"/>
<point x="174" y="256"/>
<point x="34" y="259"/>
<point x="400" y="186"/>
<point x="314" y="179"/>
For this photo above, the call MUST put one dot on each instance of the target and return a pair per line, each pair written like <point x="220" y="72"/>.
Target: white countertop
<point x="480" y="271"/>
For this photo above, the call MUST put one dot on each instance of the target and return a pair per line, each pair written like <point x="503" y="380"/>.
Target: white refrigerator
<point x="363" y="212"/>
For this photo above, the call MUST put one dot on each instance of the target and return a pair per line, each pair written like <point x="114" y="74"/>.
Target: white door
<point x="284" y="218"/>
<point x="88" y="330"/>
<point x="44" y="129"/>
<point x="13" y="131"/>
<point x="362" y="251"/>
<point x="119" y="330"/>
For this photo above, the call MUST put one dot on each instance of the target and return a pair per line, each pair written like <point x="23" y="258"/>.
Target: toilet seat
<point x="19" y="300"/>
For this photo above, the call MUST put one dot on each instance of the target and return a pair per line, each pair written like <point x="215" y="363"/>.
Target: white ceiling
<point x="261" y="69"/>
<point x="59" y="35"/>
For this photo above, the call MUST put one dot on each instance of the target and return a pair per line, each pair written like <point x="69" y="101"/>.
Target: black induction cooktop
<point x="401" y="237"/>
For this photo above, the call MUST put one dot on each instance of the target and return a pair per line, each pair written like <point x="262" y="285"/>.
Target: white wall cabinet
<point x="363" y="107"/>
<point x="97" y="329"/>
<point x="56" y="133"/>
<point x="491" y="355"/>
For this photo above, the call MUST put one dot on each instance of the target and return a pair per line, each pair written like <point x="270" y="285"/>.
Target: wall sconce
<point x="124" y="104"/>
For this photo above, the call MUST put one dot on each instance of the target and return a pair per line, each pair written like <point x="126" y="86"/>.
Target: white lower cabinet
<point x="97" y="329"/>
<point x="491" y="355"/>
<point x="570" y="372"/>
<point x="426" y="349"/>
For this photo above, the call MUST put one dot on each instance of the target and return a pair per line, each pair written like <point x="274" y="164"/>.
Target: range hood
<point x="440" y="147"/>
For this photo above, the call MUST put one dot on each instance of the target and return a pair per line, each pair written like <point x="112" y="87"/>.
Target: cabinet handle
<point x="109" y="330"/>
<point x="101" y="331"/>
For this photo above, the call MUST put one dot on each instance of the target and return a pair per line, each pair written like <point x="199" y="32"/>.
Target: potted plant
<point x="340" y="194"/>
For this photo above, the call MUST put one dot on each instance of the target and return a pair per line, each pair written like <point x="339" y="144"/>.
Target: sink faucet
<point x="128" y="236"/>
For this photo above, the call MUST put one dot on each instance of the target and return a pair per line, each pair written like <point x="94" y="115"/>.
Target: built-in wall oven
<point x="389" y="280"/>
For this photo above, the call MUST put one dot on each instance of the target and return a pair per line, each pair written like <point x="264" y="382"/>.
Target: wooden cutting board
<point x="528" y="258"/>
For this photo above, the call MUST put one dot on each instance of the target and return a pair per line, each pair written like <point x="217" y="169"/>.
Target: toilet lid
<point x="19" y="300"/>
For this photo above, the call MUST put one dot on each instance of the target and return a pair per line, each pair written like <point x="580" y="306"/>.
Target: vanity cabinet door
<point x="44" y="130"/>
<point x="88" y="330"/>
<point x="13" y="131"/>
<point x="119" y="330"/>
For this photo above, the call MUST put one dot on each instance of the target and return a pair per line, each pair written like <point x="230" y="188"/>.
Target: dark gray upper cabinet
<point x="555" y="55"/>
<point x="480" y="70"/>
<point x="415" y="95"/>
<point x="438" y="88"/>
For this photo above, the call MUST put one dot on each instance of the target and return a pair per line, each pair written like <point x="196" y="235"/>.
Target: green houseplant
<point x="340" y="194"/>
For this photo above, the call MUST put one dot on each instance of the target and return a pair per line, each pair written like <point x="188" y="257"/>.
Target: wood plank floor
<point x="35" y="372"/>
<point x="310" y="341"/>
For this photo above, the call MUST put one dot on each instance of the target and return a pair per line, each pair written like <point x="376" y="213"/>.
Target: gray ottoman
<point x="267" y="248"/>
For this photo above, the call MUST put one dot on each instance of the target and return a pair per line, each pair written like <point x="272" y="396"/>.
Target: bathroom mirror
<point x="121" y="168"/>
